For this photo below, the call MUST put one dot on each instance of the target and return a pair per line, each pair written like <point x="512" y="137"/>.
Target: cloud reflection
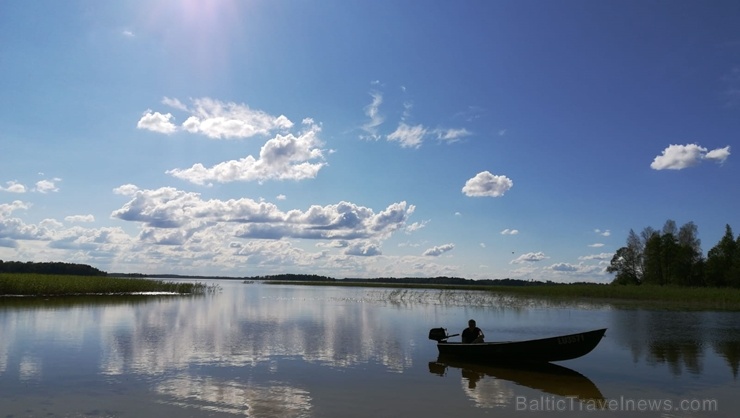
<point x="233" y="397"/>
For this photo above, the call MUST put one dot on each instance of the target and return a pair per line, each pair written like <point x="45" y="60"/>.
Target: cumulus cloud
<point x="47" y="186"/>
<point x="126" y="190"/>
<point x="285" y="157"/>
<point x="363" y="249"/>
<point x="214" y="119"/>
<point x="157" y="122"/>
<point x="217" y="119"/>
<point x="6" y="209"/>
<point x="13" y="229"/>
<point x="603" y="233"/>
<point x="168" y="207"/>
<point x="598" y="257"/>
<point x="13" y="187"/>
<point x="564" y="267"/>
<point x="485" y="184"/>
<point x="529" y="258"/>
<point x="80" y="218"/>
<point x="678" y="157"/>
<point x="439" y="250"/>
<point x="508" y="231"/>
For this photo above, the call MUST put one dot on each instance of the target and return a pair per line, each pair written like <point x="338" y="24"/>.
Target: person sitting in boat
<point x="472" y="334"/>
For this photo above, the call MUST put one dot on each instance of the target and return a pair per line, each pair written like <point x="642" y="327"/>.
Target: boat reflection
<point x="549" y="378"/>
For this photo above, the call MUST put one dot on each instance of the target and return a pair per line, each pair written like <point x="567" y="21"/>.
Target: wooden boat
<point x="544" y="350"/>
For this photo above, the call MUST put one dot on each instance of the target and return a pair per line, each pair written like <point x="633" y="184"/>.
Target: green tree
<point x="623" y="263"/>
<point x="723" y="261"/>
<point x="652" y="266"/>
<point x="734" y="277"/>
<point x="689" y="262"/>
<point x="627" y="261"/>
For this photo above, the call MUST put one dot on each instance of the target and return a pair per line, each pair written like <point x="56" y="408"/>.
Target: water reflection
<point x="234" y="397"/>
<point x="494" y="386"/>
<point x="679" y="339"/>
<point x="261" y="350"/>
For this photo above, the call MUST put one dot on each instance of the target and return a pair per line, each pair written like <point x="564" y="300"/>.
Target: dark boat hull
<point x="564" y="347"/>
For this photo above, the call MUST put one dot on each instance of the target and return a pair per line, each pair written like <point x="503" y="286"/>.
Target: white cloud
<point x="678" y="157"/>
<point x="281" y="197"/>
<point x="485" y="184"/>
<point x="169" y="208"/>
<point x="157" y="122"/>
<point x="719" y="154"/>
<point x="596" y="245"/>
<point x="126" y="190"/>
<point x="13" y="229"/>
<point x="47" y="186"/>
<point x="13" y="187"/>
<point x="285" y="157"/>
<point x="604" y="233"/>
<point x="215" y="119"/>
<point x="80" y="218"/>
<point x="6" y="209"/>
<point x="416" y="226"/>
<point x="408" y="136"/>
<point x="599" y="257"/>
<point x="451" y="135"/>
<point x="529" y="258"/>
<point x="564" y="267"/>
<point x="175" y="103"/>
<point x="363" y="249"/>
<point x="372" y="111"/>
<point x="127" y="33"/>
<point x="439" y="250"/>
<point x="509" y="231"/>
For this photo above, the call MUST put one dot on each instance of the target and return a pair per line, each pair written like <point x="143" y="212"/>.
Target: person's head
<point x="471" y="323"/>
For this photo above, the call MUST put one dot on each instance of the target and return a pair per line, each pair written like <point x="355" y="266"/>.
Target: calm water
<point x="256" y="350"/>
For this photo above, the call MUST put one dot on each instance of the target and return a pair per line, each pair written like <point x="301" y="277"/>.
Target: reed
<point x="670" y="297"/>
<point x="22" y="284"/>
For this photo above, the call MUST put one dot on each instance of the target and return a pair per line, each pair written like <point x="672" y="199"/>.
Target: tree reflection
<point x="678" y="339"/>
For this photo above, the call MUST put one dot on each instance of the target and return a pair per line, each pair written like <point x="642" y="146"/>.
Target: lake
<point x="257" y="350"/>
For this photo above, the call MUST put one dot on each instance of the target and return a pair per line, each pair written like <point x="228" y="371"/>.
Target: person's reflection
<point x="472" y="376"/>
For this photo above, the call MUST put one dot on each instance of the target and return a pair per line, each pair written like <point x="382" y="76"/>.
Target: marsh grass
<point x="666" y="297"/>
<point x="21" y="284"/>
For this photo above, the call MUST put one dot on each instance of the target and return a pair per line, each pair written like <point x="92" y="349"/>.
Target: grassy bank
<point x="62" y="285"/>
<point x="657" y="296"/>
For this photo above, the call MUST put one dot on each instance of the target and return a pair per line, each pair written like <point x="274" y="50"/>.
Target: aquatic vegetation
<point x="581" y="294"/>
<point x="22" y="284"/>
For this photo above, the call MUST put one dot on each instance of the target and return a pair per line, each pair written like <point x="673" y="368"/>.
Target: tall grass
<point x="23" y="284"/>
<point x="672" y="297"/>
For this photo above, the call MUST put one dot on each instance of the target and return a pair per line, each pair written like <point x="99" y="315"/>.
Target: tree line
<point x="49" y="268"/>
<point x="673" y="256"/>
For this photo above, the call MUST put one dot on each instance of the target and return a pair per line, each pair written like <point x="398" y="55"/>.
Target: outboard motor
<point x="438" y="334"/>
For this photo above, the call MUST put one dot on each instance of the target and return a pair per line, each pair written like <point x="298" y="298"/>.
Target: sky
<point x="477" y="139"/>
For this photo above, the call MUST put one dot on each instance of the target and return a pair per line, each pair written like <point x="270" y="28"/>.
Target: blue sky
<point x="477" y="139"/>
